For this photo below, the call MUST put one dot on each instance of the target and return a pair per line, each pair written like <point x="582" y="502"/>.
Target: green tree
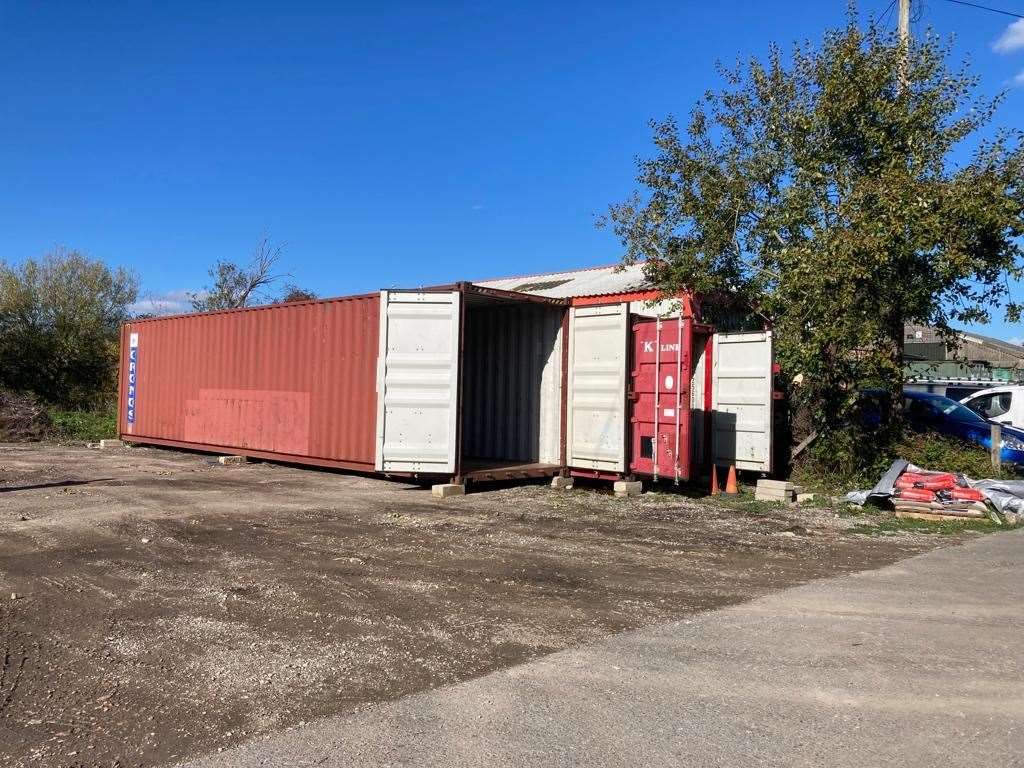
<point x="839" y="201"/>
<point x="293" y="292"/>
<point x="237" y="286"/>
<point x="60" y="319"/>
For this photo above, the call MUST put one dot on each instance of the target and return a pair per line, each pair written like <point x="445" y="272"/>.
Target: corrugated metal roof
<point x="1002" y="345"/>
<point x="971" y="344"/>
<point x="597" y="281"/>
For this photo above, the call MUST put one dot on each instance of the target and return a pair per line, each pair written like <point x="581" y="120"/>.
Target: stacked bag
<point x="937" y="493"/>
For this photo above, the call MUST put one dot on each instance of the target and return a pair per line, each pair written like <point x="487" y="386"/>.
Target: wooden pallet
<point x="936" y="517"/>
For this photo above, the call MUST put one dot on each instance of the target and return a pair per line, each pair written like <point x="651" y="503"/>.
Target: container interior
<point x="511" y="383"/>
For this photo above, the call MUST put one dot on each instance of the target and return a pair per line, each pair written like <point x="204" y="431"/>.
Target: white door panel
<point x="597" y="384"/>
<point x="742" y="400"/>
<point x="417" y="381"/>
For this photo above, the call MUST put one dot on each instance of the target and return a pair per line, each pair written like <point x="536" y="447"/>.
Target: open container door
<point x="511" y="386"/>
<point x="596" y="397"/>
<point x="418" y="381"/>
<point x="742" y="400"/>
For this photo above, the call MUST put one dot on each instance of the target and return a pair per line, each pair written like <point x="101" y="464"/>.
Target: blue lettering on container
<point x="133" y="368"/>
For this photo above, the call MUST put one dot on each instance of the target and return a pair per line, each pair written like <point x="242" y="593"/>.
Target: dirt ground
<point x="167" y="606"/>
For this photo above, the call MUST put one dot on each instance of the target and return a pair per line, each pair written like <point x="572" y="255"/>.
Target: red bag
<point x="967" y="494"/>
<point x="915" y="494"/>
<point x="933" y="481"/>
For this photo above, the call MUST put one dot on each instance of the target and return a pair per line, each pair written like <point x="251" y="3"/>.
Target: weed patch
<point x="895" y="525"/>
<point x="745" y="503"/>
<point x="84" y="425"/>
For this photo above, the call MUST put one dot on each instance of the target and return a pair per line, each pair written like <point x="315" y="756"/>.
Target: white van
<point x="1002" y="404"/>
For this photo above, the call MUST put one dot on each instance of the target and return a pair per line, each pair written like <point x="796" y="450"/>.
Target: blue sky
<point x="384" y="143"/>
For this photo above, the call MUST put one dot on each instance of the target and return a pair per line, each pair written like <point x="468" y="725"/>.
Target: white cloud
<point x="1019" y="79"/>
<point x="169" y="303"/>
<point x="1012" y="38"/>
<point x="1015" y="340"/>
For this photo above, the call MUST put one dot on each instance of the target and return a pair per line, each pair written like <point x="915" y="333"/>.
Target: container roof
<point x="596" y="281"/>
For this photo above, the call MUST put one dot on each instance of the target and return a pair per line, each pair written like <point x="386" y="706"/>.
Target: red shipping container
<point x="661" y="417"/>
<point x="293" y="382"/>
<point x="312" y="383"/>
<point x="463" y="381"/>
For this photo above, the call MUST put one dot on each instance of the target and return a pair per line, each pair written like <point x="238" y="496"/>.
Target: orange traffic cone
<point x="714" y="480"/>
<point x="730" y="482"/>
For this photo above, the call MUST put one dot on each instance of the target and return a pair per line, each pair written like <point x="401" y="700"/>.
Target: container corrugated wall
<point x="289" y="381"/>
<point x="512" y="383"/>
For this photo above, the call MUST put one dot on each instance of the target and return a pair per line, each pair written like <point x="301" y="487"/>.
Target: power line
<point x="986" y="8"/>
<point x="885" y="13"/>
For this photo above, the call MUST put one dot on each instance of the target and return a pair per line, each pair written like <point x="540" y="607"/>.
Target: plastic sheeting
<point x="884" y="489"/>
<point x="1005" y="495"/>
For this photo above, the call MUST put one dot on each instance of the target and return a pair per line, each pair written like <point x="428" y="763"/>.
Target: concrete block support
<point x="624" y="488"/>
<point x="231" y="460"/>
<point x="111" y="444"/>
<point x="775" y="490"/>
<point x="561" y="483"/>
<point x="444" y="490"/>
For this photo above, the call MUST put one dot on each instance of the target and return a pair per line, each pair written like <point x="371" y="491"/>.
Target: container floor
<point x="489" y="469"/>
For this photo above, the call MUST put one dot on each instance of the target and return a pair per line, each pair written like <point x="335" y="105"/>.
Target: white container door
<point x="742" y="400"/>
<point x="596" y="428"/>
<point x="417" y="381"/>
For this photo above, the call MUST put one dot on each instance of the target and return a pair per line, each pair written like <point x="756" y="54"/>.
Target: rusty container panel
<point x="295" y="382"/>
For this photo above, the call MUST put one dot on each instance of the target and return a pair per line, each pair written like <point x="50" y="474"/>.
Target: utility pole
<point x="905" y="40"/>
<point x="905" y="21"/>
<point x="899" y="328"/>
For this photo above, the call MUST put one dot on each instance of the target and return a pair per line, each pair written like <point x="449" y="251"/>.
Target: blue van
<point x="927" y="412"/>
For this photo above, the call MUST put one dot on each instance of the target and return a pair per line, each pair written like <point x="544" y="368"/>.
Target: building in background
<point x="956" y="370"/>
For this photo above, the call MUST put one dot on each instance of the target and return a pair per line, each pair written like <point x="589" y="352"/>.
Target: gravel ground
<point x="876" y="668"/>
<point x="168" y="607"/>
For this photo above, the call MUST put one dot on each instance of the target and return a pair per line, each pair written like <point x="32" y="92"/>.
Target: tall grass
<point x="89" y="426"/>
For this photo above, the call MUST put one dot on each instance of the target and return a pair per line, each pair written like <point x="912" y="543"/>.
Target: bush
<point x="89" y="426"/>
<point x="927" y="450"/>
<point x="947" y="454"/>
<point x="60" y="325"/>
